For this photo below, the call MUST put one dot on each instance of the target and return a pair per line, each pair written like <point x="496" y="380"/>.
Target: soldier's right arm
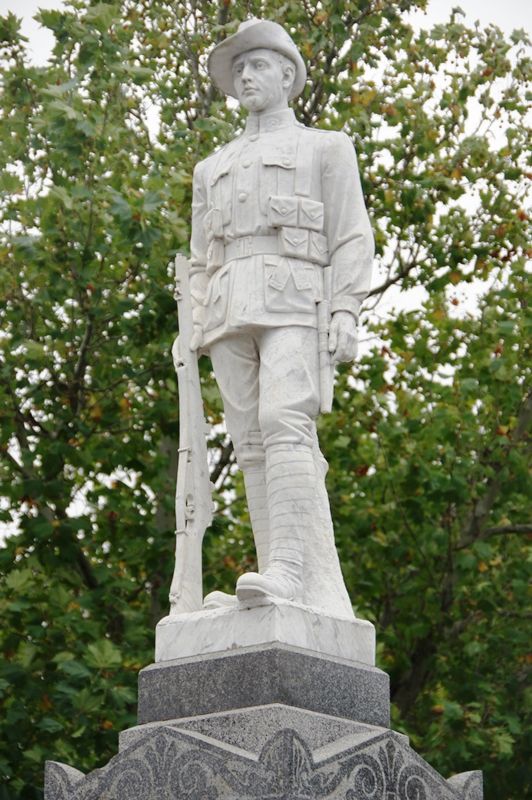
<point x="347" y="226"/>
<point x="198" y="249"/>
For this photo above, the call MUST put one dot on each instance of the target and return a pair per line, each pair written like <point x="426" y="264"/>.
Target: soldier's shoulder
<point x="323" y="137"/>
<point x="223" y="149"/>
<point x="204" y="166"/>
<point x="324" y="132"/>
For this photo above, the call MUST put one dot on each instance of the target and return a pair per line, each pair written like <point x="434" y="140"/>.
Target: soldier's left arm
<point x="350" y="241"/>
<point x="198" y="254"/>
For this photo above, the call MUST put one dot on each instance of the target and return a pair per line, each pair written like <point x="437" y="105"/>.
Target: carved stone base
<point x="267" y="721"/>
<point x="265" y="753"/>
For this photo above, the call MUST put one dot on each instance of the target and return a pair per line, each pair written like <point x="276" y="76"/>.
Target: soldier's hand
<point x="196" y="339"/>
<point x="343" y="337"/>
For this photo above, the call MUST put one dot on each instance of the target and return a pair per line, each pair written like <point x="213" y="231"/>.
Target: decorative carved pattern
<point x="57" y="784"/>
<point x="175" y="765"/>
<point x="60" y="780"/>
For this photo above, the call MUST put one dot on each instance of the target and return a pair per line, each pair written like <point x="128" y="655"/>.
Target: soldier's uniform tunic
<point x="270" y="210"/>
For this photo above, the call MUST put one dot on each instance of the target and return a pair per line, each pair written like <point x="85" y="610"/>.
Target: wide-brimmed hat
<point x="252" y="35"/>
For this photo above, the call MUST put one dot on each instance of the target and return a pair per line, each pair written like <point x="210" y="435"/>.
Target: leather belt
<point x="246" y="246"/>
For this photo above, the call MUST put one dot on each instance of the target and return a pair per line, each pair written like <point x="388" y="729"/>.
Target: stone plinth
<point x="281" y="621"/>
<point x="272" y="673"/>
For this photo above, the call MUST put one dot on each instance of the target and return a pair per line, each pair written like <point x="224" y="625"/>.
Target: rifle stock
<point x="193" y="502"/>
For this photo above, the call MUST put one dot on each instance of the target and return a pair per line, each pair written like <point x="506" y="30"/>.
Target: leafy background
<point x="427" y="442"/>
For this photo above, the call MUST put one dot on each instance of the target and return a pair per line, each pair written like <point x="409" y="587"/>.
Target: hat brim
<point x="263" y="34"/>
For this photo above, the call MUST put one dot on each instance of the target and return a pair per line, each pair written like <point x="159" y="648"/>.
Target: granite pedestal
<point x="259" y="675"/>
<point x="269" y="720"/>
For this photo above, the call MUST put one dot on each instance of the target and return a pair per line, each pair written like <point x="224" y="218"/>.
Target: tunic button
<point x="286" y="162"/>
<point x="253" y="137"/>
<point x="246" y="164"/>
<point x="242" y="196"/>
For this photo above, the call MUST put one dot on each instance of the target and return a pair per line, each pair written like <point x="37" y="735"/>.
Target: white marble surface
<point x="281" y="257"/>
<point x="217" y="630"/>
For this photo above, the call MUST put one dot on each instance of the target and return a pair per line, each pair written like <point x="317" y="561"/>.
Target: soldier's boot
<point x="291" y="492"/>
<point x="255" y="483"/>
<point x="257" y="499"/>
<point x="219" y="600"/>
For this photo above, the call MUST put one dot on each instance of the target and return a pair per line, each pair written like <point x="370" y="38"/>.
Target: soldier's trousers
<point x="269" y="382"/>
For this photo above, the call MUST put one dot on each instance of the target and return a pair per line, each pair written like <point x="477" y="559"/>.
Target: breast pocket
<point x="277" y="176"/>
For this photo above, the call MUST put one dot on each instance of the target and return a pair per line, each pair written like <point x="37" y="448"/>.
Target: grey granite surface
<point x="170" y="763"/>
<point x="251" y="728"/>
<point x="260" y="676"/>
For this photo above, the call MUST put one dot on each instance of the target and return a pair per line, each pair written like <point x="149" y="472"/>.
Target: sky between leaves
<point x="508" y="15"/>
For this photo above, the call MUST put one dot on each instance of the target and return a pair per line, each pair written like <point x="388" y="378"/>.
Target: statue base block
<point x="211" y="631"/>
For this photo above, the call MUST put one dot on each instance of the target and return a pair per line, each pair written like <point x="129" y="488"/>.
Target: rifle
<point x="326" y="365"/>
<point x="193" y="501"/>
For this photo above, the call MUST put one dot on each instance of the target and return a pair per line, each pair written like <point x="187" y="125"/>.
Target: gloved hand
<point x="343" y="336"/>
<point x="197" y="338"/>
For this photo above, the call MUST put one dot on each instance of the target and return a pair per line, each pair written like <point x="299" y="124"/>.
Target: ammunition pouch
<point x="299" y="221"/>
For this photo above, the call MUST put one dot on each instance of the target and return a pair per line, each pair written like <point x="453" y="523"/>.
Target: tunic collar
<point x="268" y="123"/>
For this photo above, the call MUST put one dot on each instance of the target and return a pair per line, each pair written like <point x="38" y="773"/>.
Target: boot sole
<point x="246" y="594"/>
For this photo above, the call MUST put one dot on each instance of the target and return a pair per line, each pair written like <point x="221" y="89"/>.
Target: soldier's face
<point x="260" y="81"/>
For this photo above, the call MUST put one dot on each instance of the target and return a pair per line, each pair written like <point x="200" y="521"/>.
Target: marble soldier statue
<point x="271" y="210"/>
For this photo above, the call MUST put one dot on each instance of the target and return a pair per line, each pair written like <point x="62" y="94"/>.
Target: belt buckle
<point x="245" y="246"/>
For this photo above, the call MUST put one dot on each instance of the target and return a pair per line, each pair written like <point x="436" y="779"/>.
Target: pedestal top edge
<point x="204" y="614"/>
<point x="257" y="649"/>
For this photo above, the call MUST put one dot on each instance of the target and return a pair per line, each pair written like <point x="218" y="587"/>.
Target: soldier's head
<point x="260" y="65"/>
<point x="263" y="79"/>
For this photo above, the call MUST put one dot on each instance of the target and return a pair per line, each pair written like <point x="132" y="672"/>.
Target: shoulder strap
<point x="304" y="163"/>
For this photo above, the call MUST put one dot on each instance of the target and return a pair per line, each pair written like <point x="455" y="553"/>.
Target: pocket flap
<point x="278" y="273"/>
<point x="276" y="158"/>
<point x="318" y="250"/>
<point x="295" y="237"/>
<point x="311" y="211"/>
<point x="318" y="243"/>
<point x="283" y="206"/>
<point x="282" y="211"/>
<point x="302" y="276"/>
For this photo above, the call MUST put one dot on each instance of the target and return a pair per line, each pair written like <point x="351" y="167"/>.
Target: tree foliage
<point x="427" y="440"/>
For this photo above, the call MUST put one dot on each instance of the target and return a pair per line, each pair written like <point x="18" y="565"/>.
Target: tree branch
<point x="473" y="527"/>
<point x="392" y="280"/>
<point x="81" y="366"/>
<point x="496" y="531"/>
<point x="500" y="530"/>
<point x="223" y="461"/>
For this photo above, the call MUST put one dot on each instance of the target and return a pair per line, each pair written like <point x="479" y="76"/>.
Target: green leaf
<point x="75" y="669"/>
<point x="103" y="654"/>
<point x="50" y="725"/>
<point x="63" y="195"/>
<point x="19" y="580"/>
